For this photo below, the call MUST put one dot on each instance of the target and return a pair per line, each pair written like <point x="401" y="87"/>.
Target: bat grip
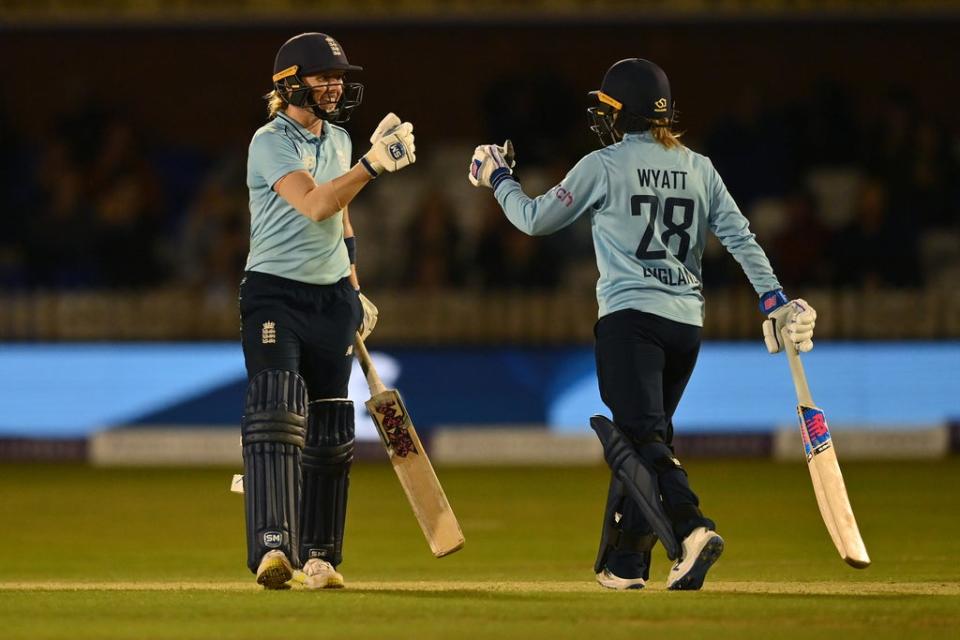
<point x="366" y="364"/>
<point x="796" y="370"/>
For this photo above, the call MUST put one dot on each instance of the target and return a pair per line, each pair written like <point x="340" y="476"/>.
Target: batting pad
<point x="273" y="429"/>
<point x="639" y="482"/>
<point x="327" y="457"/>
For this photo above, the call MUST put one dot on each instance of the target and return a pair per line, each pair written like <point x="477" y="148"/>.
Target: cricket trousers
<point x="644" y="362"/>
<point x="295" y="326"/>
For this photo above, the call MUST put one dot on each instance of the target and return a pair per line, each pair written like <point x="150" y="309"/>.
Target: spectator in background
<point x="805" y="261"/>
<point x="213" y="241"/>
<point x="15" y="167"/>
<point x="508" y="259"/>
<point x="125" y="194"/>
<point x="932" y="178"/>
<point x="825" y="129"/>
<point x="876" y="250"/>
<point x="434" y="242"/>
<point x="59" y="230"/>
<point x="747" y="147"/>
<point x="889" y="148"/>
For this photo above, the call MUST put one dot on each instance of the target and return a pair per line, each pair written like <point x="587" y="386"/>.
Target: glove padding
<point x="490" y="159"/>
<point x="370" y="314"/>
<point x="393" y="146"/>
<point x="390" y="122"/>
<point x="798" y="318"/>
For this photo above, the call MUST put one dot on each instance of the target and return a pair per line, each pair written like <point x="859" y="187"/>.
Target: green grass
<point x="159" y="553"/>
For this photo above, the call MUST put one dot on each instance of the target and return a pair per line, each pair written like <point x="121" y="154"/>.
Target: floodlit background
<point x="123" y="135"/>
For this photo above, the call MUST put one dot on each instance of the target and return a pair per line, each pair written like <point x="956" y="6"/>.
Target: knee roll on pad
<point x="327" y="457"/>
<point x="273" y="431"/>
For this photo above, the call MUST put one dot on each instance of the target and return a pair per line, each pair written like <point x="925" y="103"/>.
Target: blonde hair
<point x="275" y="103"/>
<point x="663" y="133"/>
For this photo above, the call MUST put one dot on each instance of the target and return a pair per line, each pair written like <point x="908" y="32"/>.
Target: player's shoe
<point x="700" y="550"/>
<point x="275" y="570"/>
<point x="608" y="580"/>
<point x="319" y="574"/>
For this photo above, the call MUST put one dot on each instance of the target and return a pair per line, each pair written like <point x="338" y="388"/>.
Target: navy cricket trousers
<point x="644" y="362"/>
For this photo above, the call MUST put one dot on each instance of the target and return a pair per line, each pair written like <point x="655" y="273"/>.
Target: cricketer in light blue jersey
<point x="283" y="242"/>
<point x="650" y="209"/>
<point x="301" y="311"/>
<point x="651" y="202"/>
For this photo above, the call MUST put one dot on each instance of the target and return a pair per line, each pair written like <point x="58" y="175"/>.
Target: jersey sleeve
<point x="583" y="188"/>
<point x="733" y="230"/>
<point x="273" y="156"/>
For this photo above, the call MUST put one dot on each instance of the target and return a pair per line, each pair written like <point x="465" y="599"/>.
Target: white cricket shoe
<point x="700" y="550"/>
<point x="320" y="574"/>
<point x="608" y="580"/>
<point x="275" y="570"/>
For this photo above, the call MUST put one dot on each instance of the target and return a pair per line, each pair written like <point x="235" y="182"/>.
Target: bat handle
<point x="366" y="363"/>
<point x="796" y="371"/>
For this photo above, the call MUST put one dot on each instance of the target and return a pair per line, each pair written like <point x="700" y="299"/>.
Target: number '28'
<point x="643" y="203"/>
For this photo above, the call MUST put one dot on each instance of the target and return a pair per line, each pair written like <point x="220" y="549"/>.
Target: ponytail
<point x="663" y="132"/>
<point x="275" y="103"/>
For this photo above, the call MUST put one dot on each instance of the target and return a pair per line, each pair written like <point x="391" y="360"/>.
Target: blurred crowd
<point x="842" y="193"/>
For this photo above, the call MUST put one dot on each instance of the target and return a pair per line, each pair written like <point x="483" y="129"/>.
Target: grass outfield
<point x="158" y="553"/>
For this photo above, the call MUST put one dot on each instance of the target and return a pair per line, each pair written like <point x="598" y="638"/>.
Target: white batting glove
<point x="393" y="147"/>
<point x="491" y="164"/>
<point x="390" y="121"/>
<point x="370" y="315"/>
<point x="798" y="318"/>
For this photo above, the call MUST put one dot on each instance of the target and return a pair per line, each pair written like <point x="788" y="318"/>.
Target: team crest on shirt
<point x="268" y="334"/>
<point x="310" y="163"/>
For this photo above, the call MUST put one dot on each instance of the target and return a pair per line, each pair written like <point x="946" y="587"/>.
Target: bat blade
<point x="417" y="477"/>
<point x="829" y="487"/>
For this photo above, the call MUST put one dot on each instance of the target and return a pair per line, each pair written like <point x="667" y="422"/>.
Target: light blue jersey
<point x="650" y="209"/>
<point x="284" y="242"/>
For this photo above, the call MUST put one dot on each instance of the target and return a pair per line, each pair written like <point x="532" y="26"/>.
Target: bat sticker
<point x="813" y="426"/>
<point x="393" y="424"/>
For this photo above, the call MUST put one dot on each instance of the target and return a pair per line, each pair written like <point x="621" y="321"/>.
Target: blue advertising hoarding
<point x="71" y="390"/>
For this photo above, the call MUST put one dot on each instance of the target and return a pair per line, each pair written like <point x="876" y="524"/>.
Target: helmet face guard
<point x="603" y="116"/>
<point x="290" y="85"/>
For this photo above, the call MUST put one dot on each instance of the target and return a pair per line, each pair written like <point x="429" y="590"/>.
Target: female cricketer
<point x="651" y="202"/>
<point x="300" y="309"/>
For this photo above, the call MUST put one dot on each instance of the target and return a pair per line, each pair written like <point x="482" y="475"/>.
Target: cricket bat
<point x="410" y="461"/>
<point x="824" y="469"/>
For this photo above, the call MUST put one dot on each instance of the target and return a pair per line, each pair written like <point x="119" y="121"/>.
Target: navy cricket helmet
<point x="309" y="54"/>
<point x="634" y="96"/>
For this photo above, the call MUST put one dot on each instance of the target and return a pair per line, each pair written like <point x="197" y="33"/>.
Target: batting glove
<point x="390" y="122"/>
<point x="491" y="164"/>
<point x="797" y="317"/>
<point x="393" y="147"/>
<point x="370" y="315"/>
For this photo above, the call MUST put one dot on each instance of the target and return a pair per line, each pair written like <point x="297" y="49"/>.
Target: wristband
<point x="773" y="300"/>
<point x="499" y="175"/>
<point x="369" y="167"/>
<point x="351" y="243"/>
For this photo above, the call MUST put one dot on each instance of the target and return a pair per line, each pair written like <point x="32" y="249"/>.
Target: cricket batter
<point x="650" y="201"/>
<point x="300" y="308"/>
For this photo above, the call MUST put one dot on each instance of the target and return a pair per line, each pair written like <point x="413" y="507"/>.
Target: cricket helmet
<point x="308" y="54"/>
<point x="634" y="96"/>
